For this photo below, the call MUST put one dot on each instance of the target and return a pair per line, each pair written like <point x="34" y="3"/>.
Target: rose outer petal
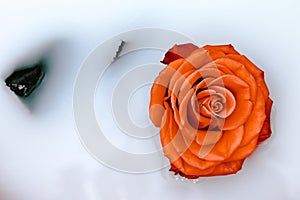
<point x="158" y="92"/>
<point x="244" y="151"/>
<point x="225" y="49"/>
<point x="266" y="129"/>
<point x="168" y="129"/>
<point x="178" y="51"/>
<point x="255" y="120"/>
<point x="227" y="168"/>
<point x="255" y="71"/>
<point x="222" y="148"/>
<point x="252" y="129"/>
<point x="228" y="143"/>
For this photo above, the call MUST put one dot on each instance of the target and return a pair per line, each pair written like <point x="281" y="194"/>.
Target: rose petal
<point x="228" y="168"/>
<point x="168" y="134"/>
<point x="207" y="137"/>
<point x="195" y="162"/>
<point x="230" y="103"/>
<point x="255" y="120"/>
<point x="175" y="149"/>
<point x="240" y="71"/>
<point x="204" y="110"/>
<point x="223" y="149"/>
<point x="243" y="104"/>
<point x="263" y="86"/>
<point x="194" y="77"/>
<point x="222" y="68"/>
<point x="177" y="80"/>
<point x="158" y="92"/>
<point x="234" y="84"/>
<point x="266" y="131"/>
<point x="225" y="49"/>
<point x="196" y="119"/>
<point x="244" y="151"/>
<point x="178" y="51"/>
<point x="191" y="172"/>
<point x="253" y="69"/>
<point x="186" y="117"/>
<point x="199" y="58"/>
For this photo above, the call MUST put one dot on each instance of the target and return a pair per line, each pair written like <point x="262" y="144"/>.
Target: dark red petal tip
<point x="179" y="51"/>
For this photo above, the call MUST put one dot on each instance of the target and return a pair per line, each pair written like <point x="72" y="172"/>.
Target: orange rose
<point x="213" y="108"/>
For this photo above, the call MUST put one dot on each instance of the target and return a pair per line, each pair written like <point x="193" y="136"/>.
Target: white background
<point x="41" y="157"/>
